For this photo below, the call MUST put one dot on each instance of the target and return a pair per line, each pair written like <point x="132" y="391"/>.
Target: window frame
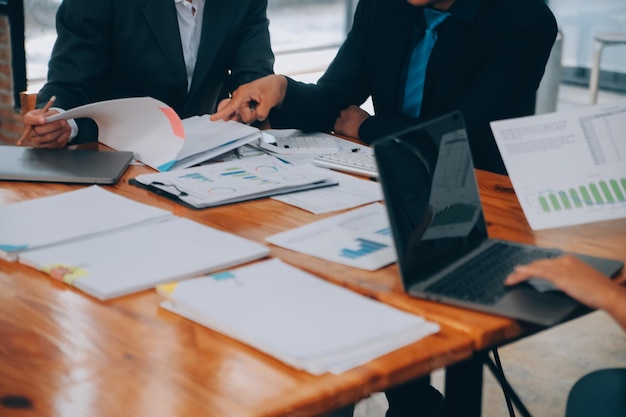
<point x="14" y="10"/>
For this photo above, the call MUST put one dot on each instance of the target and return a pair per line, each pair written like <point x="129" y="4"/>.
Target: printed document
<point x="157" y="136"/>
<point x="360" y="238"/>
<point x="233" y="181"/>
<point x="351" y="192"/>
<point x="298" y="318"/>
<point x="139" y="258"/>
<point x="567" y="168"/>
<point x="68" y="216"/>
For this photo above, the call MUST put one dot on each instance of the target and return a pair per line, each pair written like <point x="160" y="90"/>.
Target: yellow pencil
<point x="29" y="128"/>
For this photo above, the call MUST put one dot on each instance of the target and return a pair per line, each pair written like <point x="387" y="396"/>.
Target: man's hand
<point x="253" y="101"/>
<point x="46" y="135"/>
<point x="349" y="121"/>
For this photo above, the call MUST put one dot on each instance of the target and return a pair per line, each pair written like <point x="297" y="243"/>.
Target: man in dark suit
<point x="190" y="54"/>
<point x="487" y="61"/>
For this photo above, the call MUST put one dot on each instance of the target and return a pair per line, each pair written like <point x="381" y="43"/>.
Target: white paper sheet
<point x="63" y="217"/>
<point x="143" y="125"/>
<point x="158" y="137"/>
<point x="206" y="139"/>
<point x="567" y="168"/>
<point x="232" y="181"/>
<point x="139" y="258"/>
<point x="343" y="146"/>
<point x="360" y="238"/>
<point x="351" y="192"/>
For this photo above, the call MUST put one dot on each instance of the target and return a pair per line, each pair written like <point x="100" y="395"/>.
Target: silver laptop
<point x="444" y="251"/>
<point x="80" y="166"/>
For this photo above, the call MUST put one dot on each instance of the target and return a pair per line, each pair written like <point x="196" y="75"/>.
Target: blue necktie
<point x="414" y="88"/>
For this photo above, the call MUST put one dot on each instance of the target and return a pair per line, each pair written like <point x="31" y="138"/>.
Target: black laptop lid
<point x="431" y="195"/>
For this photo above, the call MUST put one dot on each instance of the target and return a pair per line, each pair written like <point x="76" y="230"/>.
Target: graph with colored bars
<point x="454" y="213"/>
<point x="236" y="175"/>
<point x="365" y="246"/>
<point x="245" y="174"/>
<point x="591" y="195"/>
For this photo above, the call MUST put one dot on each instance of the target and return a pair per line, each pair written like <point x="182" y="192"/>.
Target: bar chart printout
<point x="360" y="238"/>
<point x="603" y="193"/>
<point x="567" y="168"/>
<point x="575" y="203"/>
<point x="366" y="246"/>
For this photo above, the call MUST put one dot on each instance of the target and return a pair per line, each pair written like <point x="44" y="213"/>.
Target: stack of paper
<point x="206" y="139"/>
<point x="108" y="245"/>
<point x="232" y="181"/>
<point x="154" y="132"/>
<point x="139" y="258"/>
<point x="296" y="317"/>
<point x="69" y="216"/>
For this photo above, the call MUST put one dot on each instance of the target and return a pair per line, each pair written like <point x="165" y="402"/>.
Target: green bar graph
<point x="617" y="191"/>
<point x="575" y="198"/>
<point x="565" y="200"/>
<point x="604" y="193"/>
<point x="596" y="193"/>
<point x="555" y="202"/>
<point x="586" y="196"/>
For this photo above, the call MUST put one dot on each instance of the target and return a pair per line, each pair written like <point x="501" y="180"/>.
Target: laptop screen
<point x="431" y="196"/>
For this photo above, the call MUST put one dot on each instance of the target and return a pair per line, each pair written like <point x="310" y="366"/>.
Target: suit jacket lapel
<point x="215" y="23"/>
<point x="162" y="19"/>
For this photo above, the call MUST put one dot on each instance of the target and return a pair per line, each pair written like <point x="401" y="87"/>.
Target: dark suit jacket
<point x="109" y="49"/>
<point x="488" y="61"/>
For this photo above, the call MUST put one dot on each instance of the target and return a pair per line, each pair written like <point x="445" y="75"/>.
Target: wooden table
<point x="72" y="355"/>
<point x="63" y="353"/>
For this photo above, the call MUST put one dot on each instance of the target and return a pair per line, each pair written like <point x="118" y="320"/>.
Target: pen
<point x="29" y="128"/>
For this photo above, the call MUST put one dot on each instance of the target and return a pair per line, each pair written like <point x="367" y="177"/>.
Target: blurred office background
<point x="306" y="34"/>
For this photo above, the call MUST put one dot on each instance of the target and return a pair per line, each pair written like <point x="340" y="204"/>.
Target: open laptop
<point x="440" y="235"/>
<point x="80" y="166"/>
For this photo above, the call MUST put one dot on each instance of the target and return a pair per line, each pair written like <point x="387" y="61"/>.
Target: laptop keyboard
<point x="481" y="279"/>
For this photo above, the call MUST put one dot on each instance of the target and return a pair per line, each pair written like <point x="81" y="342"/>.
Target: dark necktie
<point x="414" y="88"/>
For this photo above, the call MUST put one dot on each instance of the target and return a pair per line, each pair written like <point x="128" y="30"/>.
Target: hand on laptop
<point x="576" y="278"/>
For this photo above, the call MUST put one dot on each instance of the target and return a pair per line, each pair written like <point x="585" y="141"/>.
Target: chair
<point x="602" y="40"/>
<point x="548" y="91"/>
<point x="27" y="101"/>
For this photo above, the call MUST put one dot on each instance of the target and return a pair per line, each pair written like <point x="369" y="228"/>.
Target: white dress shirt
<point x="189" y="14"/>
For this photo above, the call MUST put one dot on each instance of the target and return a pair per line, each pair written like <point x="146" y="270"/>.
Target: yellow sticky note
<point x="65" y="273"/>
<point x="166" y="290"/>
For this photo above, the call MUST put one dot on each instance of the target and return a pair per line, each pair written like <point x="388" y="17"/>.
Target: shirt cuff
<point x="71" y="122"/>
